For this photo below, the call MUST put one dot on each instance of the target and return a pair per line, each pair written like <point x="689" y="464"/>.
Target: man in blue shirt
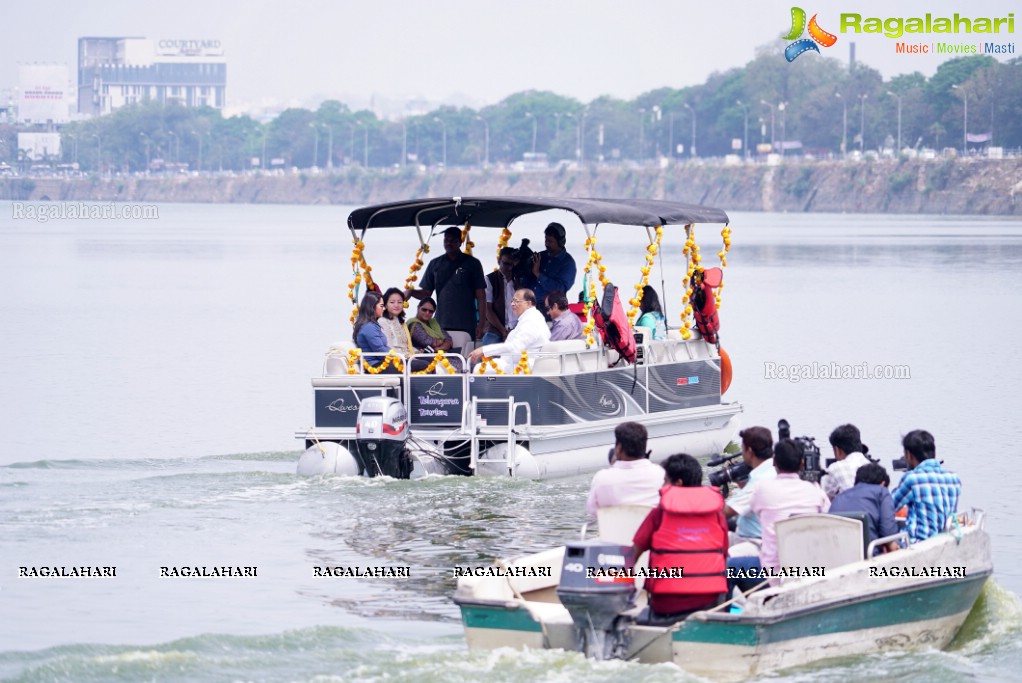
<point x="553" y="269"/>
<point x="870" y="495"/>
<point x="930" y="492"/>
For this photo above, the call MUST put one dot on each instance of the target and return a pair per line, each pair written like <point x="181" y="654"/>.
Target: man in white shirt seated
<point x="566" y="324"/>
<point x="529" y="334"/>
<point x="850" y="454"/>
<point x="631" y="479"/>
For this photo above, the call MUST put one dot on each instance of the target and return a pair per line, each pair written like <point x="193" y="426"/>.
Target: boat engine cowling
<point x="381" y="432"/>
<point x="596" y="586"/>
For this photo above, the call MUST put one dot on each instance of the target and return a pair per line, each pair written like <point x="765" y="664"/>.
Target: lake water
<point x="154" y="372"/>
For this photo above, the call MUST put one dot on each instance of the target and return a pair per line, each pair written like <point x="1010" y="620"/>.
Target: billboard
<point x="43" y="93"/>
<point x="39" y="146"/>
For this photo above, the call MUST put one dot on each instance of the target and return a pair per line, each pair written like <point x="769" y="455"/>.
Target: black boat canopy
<point x="499" y="212"/>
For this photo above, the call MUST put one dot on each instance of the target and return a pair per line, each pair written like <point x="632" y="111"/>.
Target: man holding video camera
<point x="757" y="453"/>
<point x="850" y="454"/>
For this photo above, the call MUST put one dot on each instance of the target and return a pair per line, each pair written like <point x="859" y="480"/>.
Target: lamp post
<point x="486" y="140"/>
<point x="177" y="146"/>
<point x="535" y="127"/>
<point x="670" y="136"/>
<point x="99" y="154"/>
<point x="642" y="125"/>
<point x="965" y="120"/>
<point x="365" y="145"/>
<point x="844" y="125"/>
<point x="781" y="107"/>
<point x="315" y="144"/>
<point x="146" y="137"/>
<point x="655" y="119"/>
<point x="898" y="97"/>
<point x="862" y="122"/>
<point x="692" y="151"/>
<point x="443" y="127"/>
<point x="772" y="138"/>
<point x="745" y="109"/>
<point x="330" y="148"/>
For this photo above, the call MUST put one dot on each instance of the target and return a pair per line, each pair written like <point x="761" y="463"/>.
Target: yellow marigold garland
<point x="487" y="361"/>
<point x="413" y="271"/>
<point x="651" y="252"/>
<point x="594" y="259"/>
<point x="523" y="365"/>
<point x="691" y="252"/>
<point x="505" y="237"/>
<point x="521" y="369"/>
<point x="465" y="239"/>
<point x="358" y="260"/>
<point x="355" y="357"/>
<point x="726" y="236"/>
<point x="440" y="358"/>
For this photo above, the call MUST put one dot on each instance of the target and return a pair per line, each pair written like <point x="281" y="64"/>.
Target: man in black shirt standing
<point x="457" y="278"/>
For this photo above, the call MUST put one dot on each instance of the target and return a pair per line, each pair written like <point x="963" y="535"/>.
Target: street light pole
<point x="862" y="122"/>
<point x="844" y="125"/>
<point x="330" y="148"/>
<point x="692" y="151"/>
<point x="315" y="144"/>
<point x="898" y="97"/>
<point x="782" y="106"/>
<point x="486" y="140"/>
<point x="535" y="125"/>
<point x="443" y="127"/>
<point x="745" y="108"/>
<point x="965" y="121"/>
<point x="772" y="137"/>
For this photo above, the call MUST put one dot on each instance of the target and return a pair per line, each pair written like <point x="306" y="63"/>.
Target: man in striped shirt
<point x="930" y="492"/>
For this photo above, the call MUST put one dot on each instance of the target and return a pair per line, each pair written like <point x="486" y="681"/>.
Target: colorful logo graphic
<point x="798" y="27"/>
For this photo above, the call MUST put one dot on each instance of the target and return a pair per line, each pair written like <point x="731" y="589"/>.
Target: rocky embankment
<point x="951" y="186"/>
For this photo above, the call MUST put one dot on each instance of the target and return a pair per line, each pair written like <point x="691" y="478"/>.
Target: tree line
<point x="813" y="103"/>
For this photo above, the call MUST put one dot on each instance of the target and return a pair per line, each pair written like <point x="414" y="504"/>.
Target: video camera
<point x="729" y="472"/>
<point x="812" y="464"/>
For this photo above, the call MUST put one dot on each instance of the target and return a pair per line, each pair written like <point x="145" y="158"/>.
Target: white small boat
<point x="914" y="598"/>
<point x="557" y="418"/>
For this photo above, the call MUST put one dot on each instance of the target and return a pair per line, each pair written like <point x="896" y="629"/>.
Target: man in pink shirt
<point x="632" y="479"/>
<point x="783" y="497"/>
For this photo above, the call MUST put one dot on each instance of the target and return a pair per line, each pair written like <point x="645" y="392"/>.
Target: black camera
<point x="812" y="463"/>
<point x="729" y="472"/>
<point x="899" y="465"/>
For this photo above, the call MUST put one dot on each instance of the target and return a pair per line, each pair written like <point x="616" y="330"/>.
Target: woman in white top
<point x="393" y="322"/>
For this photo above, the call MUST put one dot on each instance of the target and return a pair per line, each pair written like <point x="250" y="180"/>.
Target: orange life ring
<point x="725" y="371"/>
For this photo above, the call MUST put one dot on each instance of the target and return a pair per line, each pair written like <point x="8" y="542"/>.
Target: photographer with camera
<point x="930" y="492"/>
<point x="782" y="497"/>
<point x="850" y="454"/>
<point x="757" y="445"/>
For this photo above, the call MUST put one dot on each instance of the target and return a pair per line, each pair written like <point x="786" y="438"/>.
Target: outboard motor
<point x="381" y="431"/>
<point x="596" y="586"/>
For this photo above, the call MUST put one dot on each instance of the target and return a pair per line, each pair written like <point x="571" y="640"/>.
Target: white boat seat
<point x="553" y="558"/>
<point x="337" y="359"/>
<point x="819" y="540"/>
<point x="619" y="523"/>
<point x="461" y="340"/>
<point x="565" y="356"/>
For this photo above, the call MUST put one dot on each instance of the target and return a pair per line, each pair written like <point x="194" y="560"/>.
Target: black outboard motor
<point x="596" y="586"/>
<point x="381" y="431"/>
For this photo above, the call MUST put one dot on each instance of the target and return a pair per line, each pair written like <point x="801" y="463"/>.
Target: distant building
<point x="44" y="94"/>
<point x="114" y="72"/>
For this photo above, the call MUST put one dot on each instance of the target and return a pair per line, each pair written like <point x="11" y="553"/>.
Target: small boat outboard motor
<point x="381" y="433"/>
<point x="596" y="586"/>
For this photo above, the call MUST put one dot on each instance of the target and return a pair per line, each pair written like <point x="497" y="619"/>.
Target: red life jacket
<point x="704" y="304"/>
<point x="691" y="536"/>
<point x="613" y="324"/>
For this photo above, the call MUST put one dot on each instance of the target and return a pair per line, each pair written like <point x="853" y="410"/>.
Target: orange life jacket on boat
<point x="691" y="536"/>
<point x="704" y="304"/>
<point x="613" y="324"/>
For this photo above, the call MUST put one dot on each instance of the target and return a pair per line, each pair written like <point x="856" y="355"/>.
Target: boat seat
<point x="360" y="381"/>
<point x="553" y="559"/>
<point x="461" y="340"/>
<point x="863" y="518"/>
<point x="819" y="540"/>
<point x="619" y="523"/>
<point x="336" y="362"/>
<point x="566" y="356"/>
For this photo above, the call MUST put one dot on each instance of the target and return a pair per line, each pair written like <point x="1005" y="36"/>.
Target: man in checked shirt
<point x="930" y="492"/>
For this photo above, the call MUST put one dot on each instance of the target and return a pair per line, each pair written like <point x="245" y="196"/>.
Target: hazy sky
<point x="303" y="51"/>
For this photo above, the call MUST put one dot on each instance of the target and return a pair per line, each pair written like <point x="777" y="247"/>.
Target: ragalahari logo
<point x="798" y="27"/>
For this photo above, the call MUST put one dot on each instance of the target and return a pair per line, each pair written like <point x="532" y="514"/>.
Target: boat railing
<point x="901" y="537"/>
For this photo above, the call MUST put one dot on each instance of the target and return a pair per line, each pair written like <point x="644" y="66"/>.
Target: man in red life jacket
<point x="687" y="531"/>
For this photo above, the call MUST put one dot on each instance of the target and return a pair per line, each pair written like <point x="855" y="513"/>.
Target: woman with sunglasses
<point x="426" y="331"/>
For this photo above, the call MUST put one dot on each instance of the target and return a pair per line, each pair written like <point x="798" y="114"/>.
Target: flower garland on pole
<point x="691" y="252"/>
<point x="521" y="369"/>
<point x="413" y="270"/>
<point x="651" y="252"/>
<point x="358" y="260"/>
<point x="390" y="359"/>
<point x="466" y="240"/>
<point x="726" y="236"/>
<point x="594" y="259"/>
<point x="505" y="237"/>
